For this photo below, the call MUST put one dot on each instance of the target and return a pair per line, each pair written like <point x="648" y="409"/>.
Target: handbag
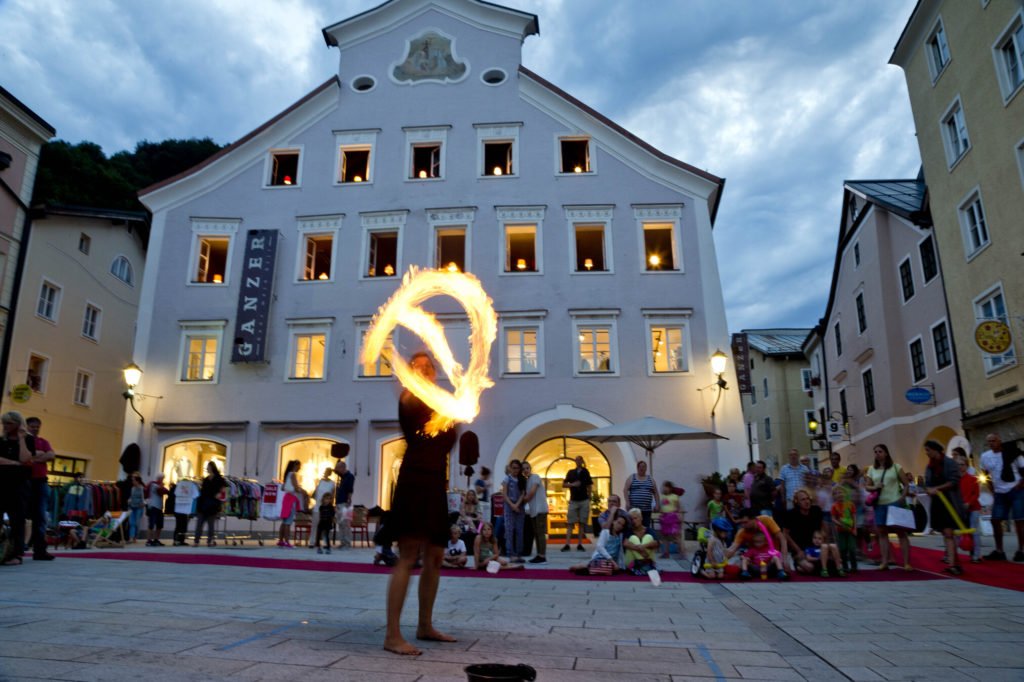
<point x="601" y="567"/>
<point x="900" y="516"/>
<point x="872" y="499"/>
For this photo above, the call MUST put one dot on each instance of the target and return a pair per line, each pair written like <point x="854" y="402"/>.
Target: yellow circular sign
<point x="21" y="393"/>
<point x="993" y="336"/>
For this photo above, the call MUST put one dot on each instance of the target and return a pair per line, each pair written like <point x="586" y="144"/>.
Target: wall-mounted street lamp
<point x="132" y="375"/>
<point x="718" y="362"/>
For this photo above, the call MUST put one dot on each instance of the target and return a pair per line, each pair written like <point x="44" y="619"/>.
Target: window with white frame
<point x="767" y="428"/>
<point x="668" y="342"/>
<point x="425" y="148"/>
<point x="938" y="50"/>
<point x="498" y="149"/>
<point x="521" y="229"/>
<point x="283" y="168"/>
<point x="355" y="156"/>
<point x="317" y="248"/>
<point x="867" y="379"/>
<point x="941" y="345"/>
<point x="805" y="379"/>
<point x="382" y="240"/>
<point x="308" y="349"/>
<point x="379" y="368"/>
<point x="991" y="306"/>
<point x="38" y="372"/>
<point x="595" y="343"/>
<point x="590" y="233"/>
<point x="522" y="348"/>
<point x="954" y="132"/>
<point x="449" y="249"/>
<point x="48" y="305"/>
<point x="91" y="322"/>
<point x="929" y="259"/>
<point x="211" y="251"/>
<point x="83" y="388"/>
<point x="862" y="317"/>
<point x="659" y="237"/>
<point x="574" y="155"/>
<point x="972" y="222"/>
<point x="907" y="280"/>
<point x="918" y="367"/>
<point x="1009" y="56"/>
<point x="122" y="269"/>
<point x="200" y="346"/>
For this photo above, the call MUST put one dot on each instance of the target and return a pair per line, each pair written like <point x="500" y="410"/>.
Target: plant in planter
<point x="712" y="483"/>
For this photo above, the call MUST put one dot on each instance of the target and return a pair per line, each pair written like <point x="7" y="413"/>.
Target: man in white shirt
<point x="537" y="511"/>
<point x="325" y="486"/>
<point x="793" y="476"/>
<point x="1004" y="465"/>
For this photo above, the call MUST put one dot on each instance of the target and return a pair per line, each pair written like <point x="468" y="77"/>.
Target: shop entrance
<point x="552" y="460"/>
<point x="391" y="453"/>
<point x="188" y="459"/>
<point x="315" y="456"/>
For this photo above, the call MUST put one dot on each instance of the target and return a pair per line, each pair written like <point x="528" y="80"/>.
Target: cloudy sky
<point x="783" y="98"/>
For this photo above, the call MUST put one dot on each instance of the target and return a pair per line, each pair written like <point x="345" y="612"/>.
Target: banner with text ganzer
<point x="255" y="291"/>
<point x="741" y="356"/>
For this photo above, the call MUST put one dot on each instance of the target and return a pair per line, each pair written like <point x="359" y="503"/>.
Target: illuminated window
<point x="200" y="343"/>
<point x="659" y="247"/>
<point x="83" y="388"/>
<point x="318" y="253"/>
<point x="425" y="146"/>
<point x="308" y="349"/>
<point x="355" y="164"/>
<point x="521" y="350"/>
<point x="575" y="156"/>
<point x="450" y="248"/>
<point x="498" y="149"/>
<point x="382" y="256"/>
<point x="284" y="168"/>
<point x="314" y="457"/>
<point x="498" y="158"/>
<point x="355" y="156"/>
<point x="381" y="367"/>
<point x="595" y="344"/>
<point x="189" y="459"/>
<point x="520" y="248"/>
<point x="590" y="248"/>
<point x="668" y="347"/>
<point x="211" y="260"/>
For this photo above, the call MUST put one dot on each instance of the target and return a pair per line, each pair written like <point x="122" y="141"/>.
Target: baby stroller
<point x="703" y="535"/>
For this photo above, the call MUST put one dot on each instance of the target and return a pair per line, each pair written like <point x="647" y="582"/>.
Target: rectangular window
<point x="764" y="387"/>
<point x="425" y="152"/>
<point x="659" y="246"/>
<point x="856" y="255"/>
<point x="38" y="372"/>
<point x="862" y="318"/>
<point x="805" y="379"/>
<point x="522" y="350"/>
<point x="838" y="339"/>
<point x="381" y="367"/>
<point x="842" y="406"/>
<point x="992" y="307"/>
<point x="917" y="365"/>
<point x="590" y="240"/>
<point x="91" y="322"/>
<point x="943" y="349"/>
<point x="594" y="349"/>
<point x="84" y="243"/>
<point x="284" y="168"/>
<point x="450" y="248"/>
<point x="767" y="428"/>
<point x="929" y="259"/>
<point x="867" y="379"/>
<point x="382" y="256"/>
<point x="200" y="358"/>
<point x="668" y="349"/>
<point x="938" y="51"/>
<point x="954" y="132"/>
<point x="211" y="260"/>
<point x="1009" y="54"/>
<point x="48" y="305"/>
<point x="907" y="280"/>
<point x="318" y="254"/>
<point x="355" y="164"/>
<point x="575" y="155"/>
<point x="521" y="248"/>
<point x="426" y="161"/>
<point x="308" y="355"/>
<point x="753" y="394"/>
<point x="83" y="388"/>
<point x="498" y="157"/>
<point x="972" y="220"/>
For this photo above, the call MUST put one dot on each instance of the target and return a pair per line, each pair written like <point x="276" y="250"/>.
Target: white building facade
<point x="434" y="147"/>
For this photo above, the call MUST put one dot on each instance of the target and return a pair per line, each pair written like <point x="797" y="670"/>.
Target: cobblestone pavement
<point x="95" y="619"/>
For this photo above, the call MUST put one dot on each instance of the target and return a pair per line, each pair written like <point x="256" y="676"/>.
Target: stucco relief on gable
<point x="430" y="57"/>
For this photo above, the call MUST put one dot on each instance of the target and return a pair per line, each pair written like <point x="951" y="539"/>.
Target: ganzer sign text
<point x="254" y="294"/>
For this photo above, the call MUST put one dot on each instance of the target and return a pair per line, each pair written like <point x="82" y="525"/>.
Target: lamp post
<point x="132" y="375"/>
<point x="718" y="362"/>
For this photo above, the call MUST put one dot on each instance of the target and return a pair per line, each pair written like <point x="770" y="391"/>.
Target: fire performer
<point x="419" y="515"/>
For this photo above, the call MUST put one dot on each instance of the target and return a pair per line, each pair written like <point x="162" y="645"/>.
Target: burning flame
<point x="463" y="405"/>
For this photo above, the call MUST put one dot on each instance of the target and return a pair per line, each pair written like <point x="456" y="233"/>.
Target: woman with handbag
<point x="293" y="502"/>
<point x="886" y="489"/>
<point x="942" y="479"/>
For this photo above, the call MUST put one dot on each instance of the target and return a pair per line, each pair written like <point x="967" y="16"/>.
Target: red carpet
<point x="1006" y="574"/>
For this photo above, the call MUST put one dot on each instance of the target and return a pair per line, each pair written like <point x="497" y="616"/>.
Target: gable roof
<point x="16" y="104"/>
<point x="788" y="341"/>
<point x="646" y="146"/>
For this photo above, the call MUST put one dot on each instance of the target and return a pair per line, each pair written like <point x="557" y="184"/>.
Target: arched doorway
<point x="552" y="459"/>
<point x="314" y="453"/>
<point x="188" y="459"/>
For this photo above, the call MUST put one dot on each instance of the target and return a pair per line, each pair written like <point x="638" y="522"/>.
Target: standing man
<point x="39" y="494"/>
<point x="155" y="492"/>
<point x="325" y="486"/>
<point x="1004" y="465"/>
<point x="762" y="490"/>
<point x="343" y="499"/>
<point x="793" y="475"/>
<point x="578" y="482"/>
<point x="537" y="512"/>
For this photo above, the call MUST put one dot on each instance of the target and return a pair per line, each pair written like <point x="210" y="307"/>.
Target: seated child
<point x="763" y="554"/>
<point x="485" y="548"/>
<point x="455" y="554"/>
<point x="716" y="538"/>
<point x="821" y="552"/>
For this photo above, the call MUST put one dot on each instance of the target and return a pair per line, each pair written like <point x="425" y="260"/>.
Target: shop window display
<point x="314" y="455"/>
<point x="552" y="460"/>
<point x="188" y="459"/>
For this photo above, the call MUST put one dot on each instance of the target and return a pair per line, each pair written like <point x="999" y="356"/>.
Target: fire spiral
<point x="403" y="308"/>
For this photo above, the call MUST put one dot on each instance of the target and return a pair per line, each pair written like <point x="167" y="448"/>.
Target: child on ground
<point x="325" y="524"/>
<point x="455" y="553"/>
<point x="844" y="520"/>
<point x="762" y="553"/>
<point x="717" y="540"/>
<point x="822" y="552"/>
<point x="671" y="521"/>
<point x="485" y="548"/>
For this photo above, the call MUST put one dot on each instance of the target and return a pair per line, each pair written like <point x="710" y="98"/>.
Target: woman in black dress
<point x="419" y="515"/>
<point x="208" y="504"/>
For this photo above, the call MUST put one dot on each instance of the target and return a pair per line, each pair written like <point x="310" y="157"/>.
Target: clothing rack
<point x="245" y="506"/>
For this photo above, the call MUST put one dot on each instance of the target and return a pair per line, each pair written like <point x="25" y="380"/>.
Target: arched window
<point x="188" y="459"/>
<point x="122" y="269"/>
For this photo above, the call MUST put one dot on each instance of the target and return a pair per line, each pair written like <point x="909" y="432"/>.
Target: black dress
<point x="420" y="505"/>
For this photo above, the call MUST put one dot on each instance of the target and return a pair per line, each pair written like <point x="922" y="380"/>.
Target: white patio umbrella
<point x="649" y="433"/>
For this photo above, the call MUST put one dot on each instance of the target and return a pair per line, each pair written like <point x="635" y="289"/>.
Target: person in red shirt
<point x="970" y="492"/>
<point x="40" y="490"/>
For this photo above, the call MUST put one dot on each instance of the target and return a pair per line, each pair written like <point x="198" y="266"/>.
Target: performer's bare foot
<point x="401" y="647"/>
<point x="432" y="635"/>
